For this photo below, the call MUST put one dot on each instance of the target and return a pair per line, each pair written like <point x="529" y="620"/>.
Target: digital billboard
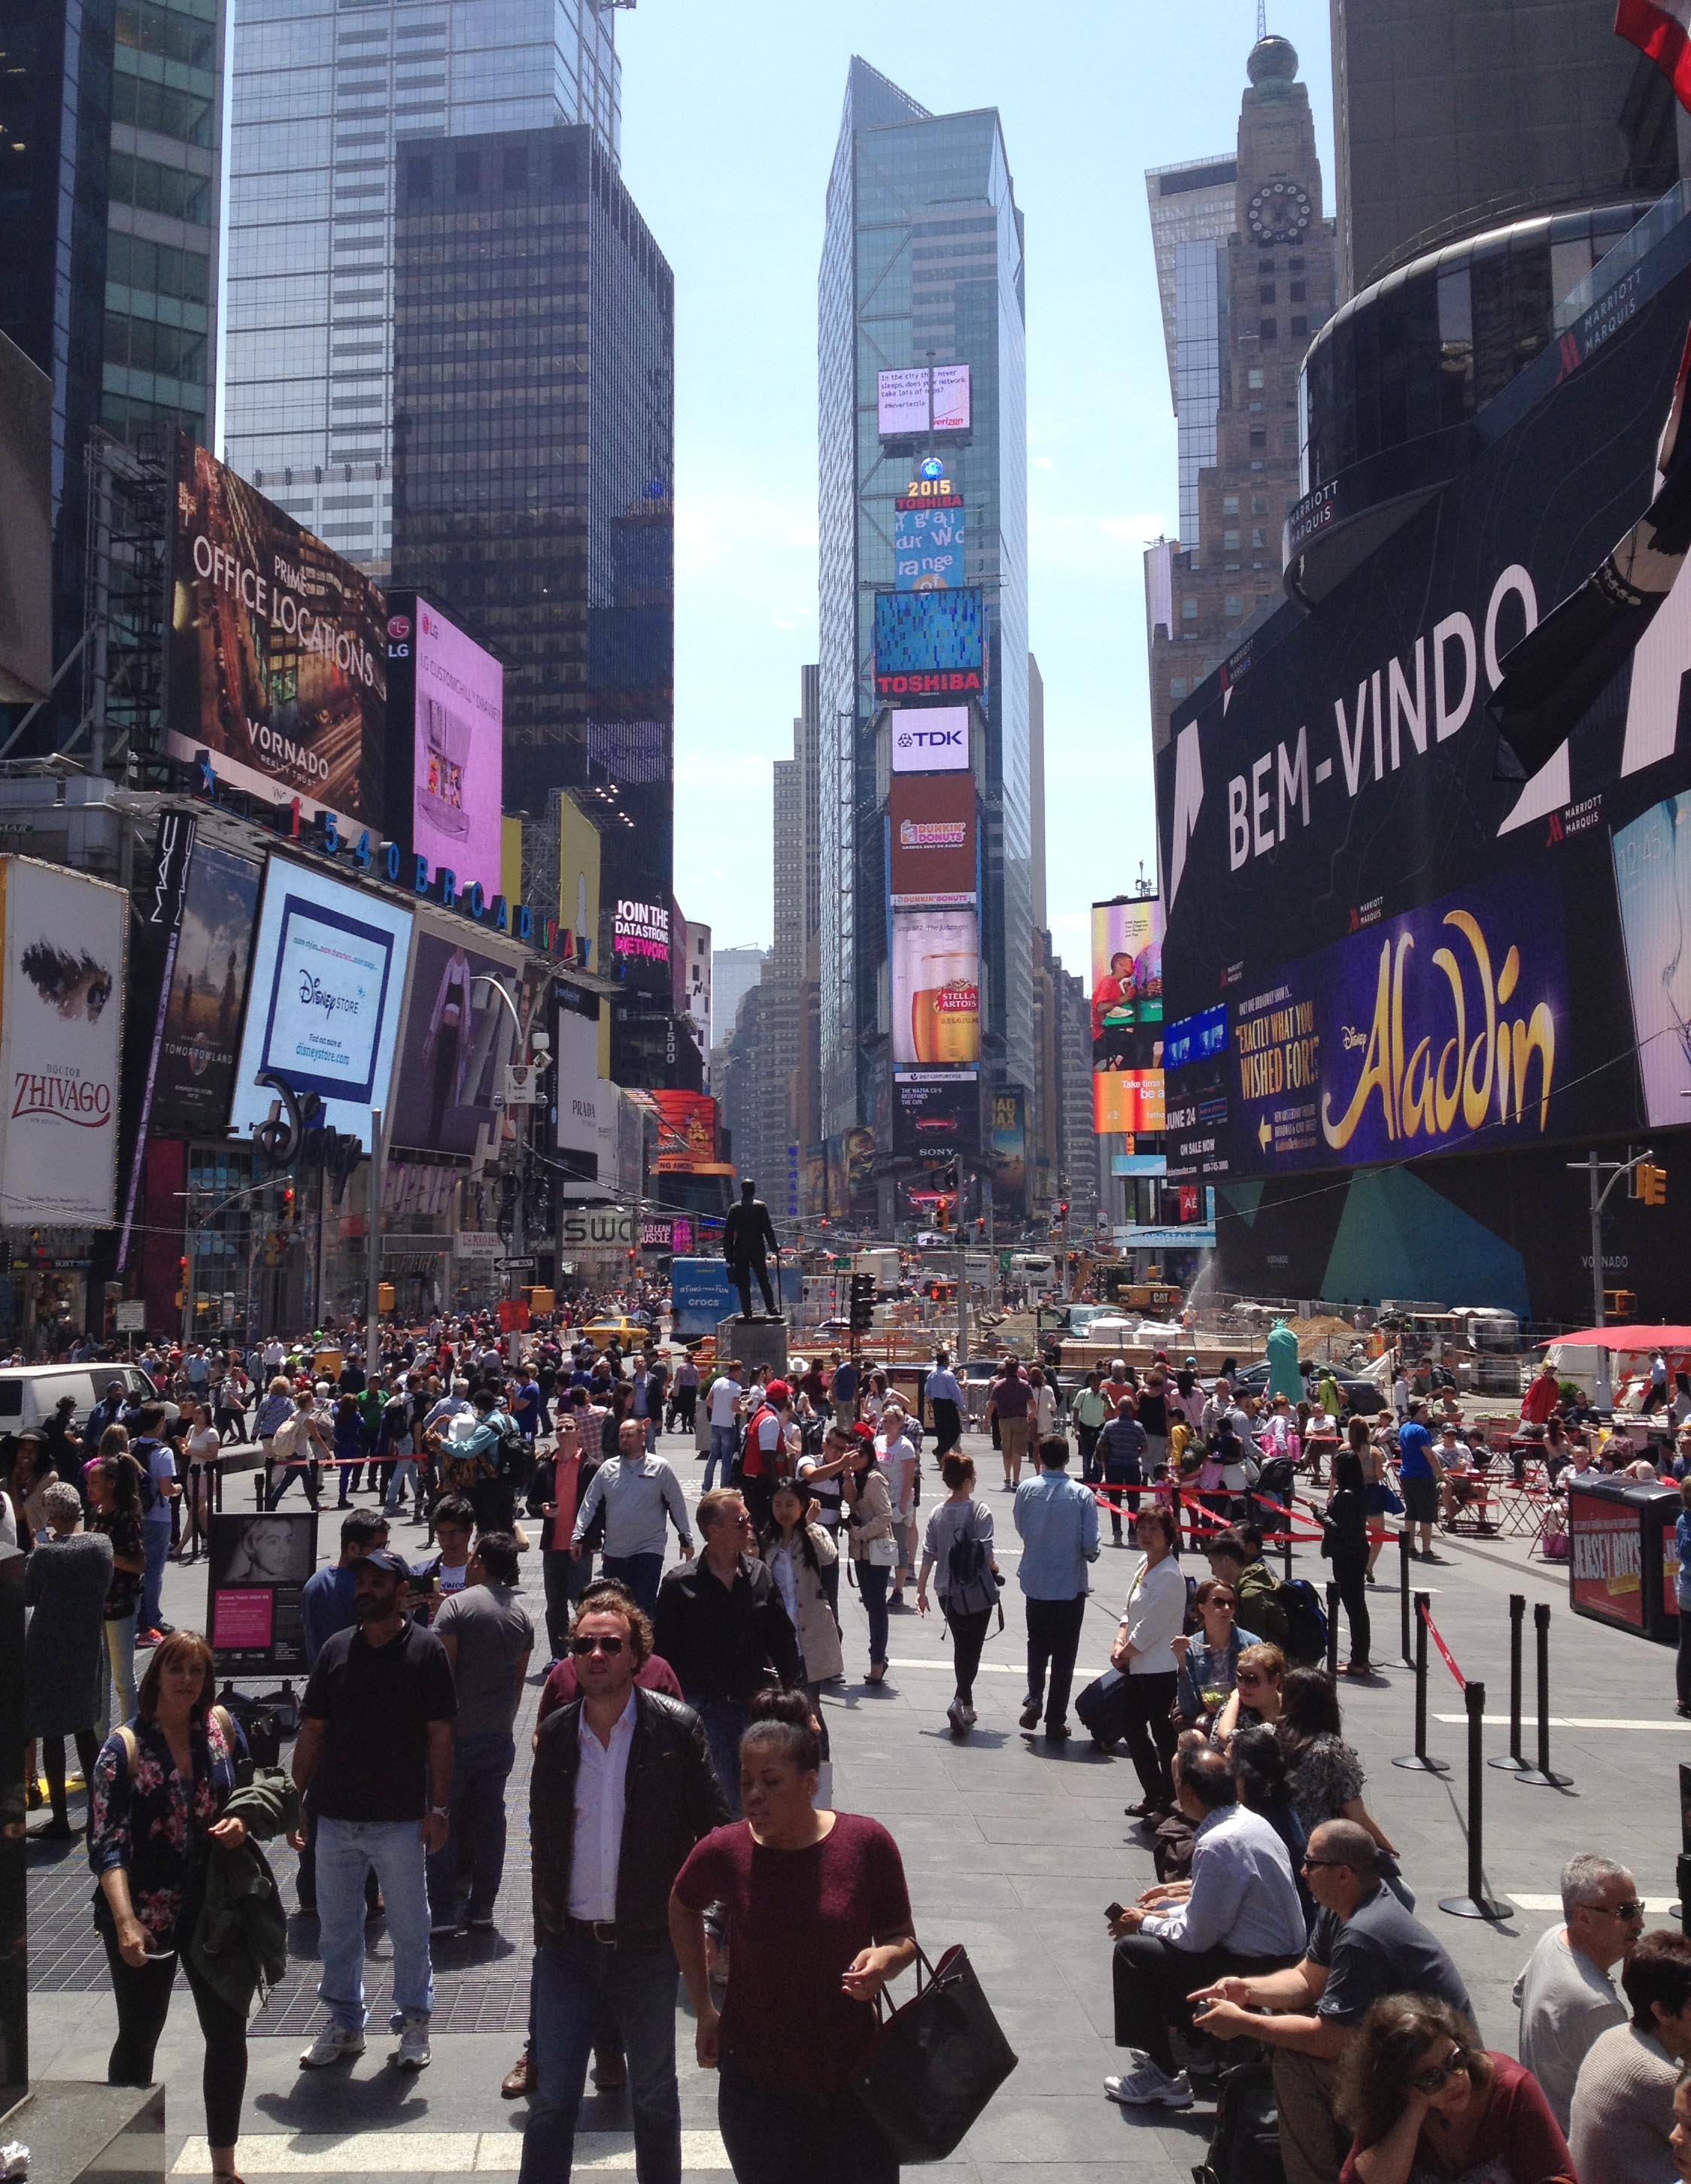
<point x="195" y="1074"/>
<point x="1127" y="984"/>
<point x="61" y="1028"/>
<point x="903" y="403"/>
<point x="931" y="853"/>
<point x="935" y="1114"/>
<point x="927" y="545"/>
<point x="640" y="936"/>
<point x="1653" y="882"/>
<point x="324" y="994"/>
<point x="1007" y="1143"/>
<point x="686" y="1132"/>
<point x="930" y="644"/>
<point x="446" y="742"/>
<point x="930" y="740"/>
<point x="951" y="408"/>
<point x="276" y="662"/>
<point x="935" y="988"/>
<point x="458" y="1038"/>
<point x="581" y="1096"/>
<point x="1127" y="1100"/>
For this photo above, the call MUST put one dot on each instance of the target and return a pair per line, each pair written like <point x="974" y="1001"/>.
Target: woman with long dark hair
<point x="798" y="1552"/>
<point x="867" y="1508"/>
<point x="1323" y="1772"/>
<point x="1424" y="2099"/>
<point x="1344" y="1542"/>
<point x="114" y="1487"/>
<point x="820" y="1913"/>
<point x="959" y="1533"/>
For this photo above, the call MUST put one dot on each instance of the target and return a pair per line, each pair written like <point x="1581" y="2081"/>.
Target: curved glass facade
<point x="1429" y="346"/>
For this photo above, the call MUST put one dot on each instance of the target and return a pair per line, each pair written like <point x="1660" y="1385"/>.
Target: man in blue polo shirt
<point x="1419" y="1472"/>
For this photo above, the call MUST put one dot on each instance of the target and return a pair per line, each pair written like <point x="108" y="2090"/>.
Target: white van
<point x="30" y="1394"/>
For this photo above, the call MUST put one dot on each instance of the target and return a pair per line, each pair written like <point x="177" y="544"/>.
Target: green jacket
<point x="240" y="1938"/>
<point x="1259" y="1607"/>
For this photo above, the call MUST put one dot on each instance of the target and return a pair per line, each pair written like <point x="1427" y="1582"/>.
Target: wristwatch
<point x="444" y="1811"/>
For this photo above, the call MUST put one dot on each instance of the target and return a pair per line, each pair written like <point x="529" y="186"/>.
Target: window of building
<point x="1254" y="377"/>
<point x="1230" y="504"/>
<point x="155" y="188"/>
<point x="1177" y="689"/>
<point x="1293" y="264"/>
<point x="1229" y="541"/>
<point x="1232" y="606"/>
<point x="1258" y="506"/>
<point x="1299" y="323"/>
<point x="1260" y="539"/>
<point x="467" y="171"/>
<point x="1267" y="330"/>
<point x="1259" y="436"/>
<point x="1266" y="265"/>
<point x="1298" y="292"/>
<point x="1265" y="291"/>
<point x="516" y="167"/>
<point x="1188" y="610"/>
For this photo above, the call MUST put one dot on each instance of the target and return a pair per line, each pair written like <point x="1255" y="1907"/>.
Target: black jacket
<point x="672" y="1800"/>
<point x="725" y="1641"/>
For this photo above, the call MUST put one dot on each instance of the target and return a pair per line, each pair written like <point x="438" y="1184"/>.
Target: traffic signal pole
<point x="1598" y="1192"/>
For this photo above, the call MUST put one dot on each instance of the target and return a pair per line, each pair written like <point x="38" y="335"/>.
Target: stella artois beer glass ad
<point x="935" y="988"/>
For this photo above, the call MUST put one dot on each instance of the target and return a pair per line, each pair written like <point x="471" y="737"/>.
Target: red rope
<point x="1196" y="1515"/>
<point x="1443" y="1651"/>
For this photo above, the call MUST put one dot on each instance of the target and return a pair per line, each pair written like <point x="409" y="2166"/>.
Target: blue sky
<point x="730" y="111"/>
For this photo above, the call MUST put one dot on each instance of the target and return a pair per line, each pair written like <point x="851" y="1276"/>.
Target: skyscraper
<point x="1192" y="211"/>
<point x="325" y="101"/>
<point x="1453" y="116"/>
<point x="922" y="265"/>
<point x="533" y="409"/>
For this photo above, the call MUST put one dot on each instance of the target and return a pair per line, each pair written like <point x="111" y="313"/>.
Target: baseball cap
<point x="777" y="1391"/>
<point x="385" y="1559"/>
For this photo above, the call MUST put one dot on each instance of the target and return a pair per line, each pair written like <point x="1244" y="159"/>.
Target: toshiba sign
<point x="930" y="740"/>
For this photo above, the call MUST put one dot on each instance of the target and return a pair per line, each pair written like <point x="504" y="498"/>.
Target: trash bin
<point x="1622" y="1563"/>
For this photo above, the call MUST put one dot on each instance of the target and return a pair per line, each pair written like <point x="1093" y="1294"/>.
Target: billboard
<point x="686" y="1132"/>
<point x="26" y="535"/>
<point x="935" y="1114"/>
<point x="931" y="851"/>
<point x="935" y="988"/>
<point x="930" y="644"/>
<point x="61" y="1027"/>
<point x="1007" y="1144"/>
<point x="927" y="545"/>
<point x="1127" y="1016"/>
<point x="701" y="1295"/>
<point x="255" y="1582"/>
<point x="327" y="979"/>
<point x="446" y="743"/>
<point x="911" y="402"/>
<point x="195" y="1076"/>
<point x="640" y="938"/>
<point x="930" y="740"/>
<point x="1127" y="1100"/>
<point x="276" y="662"/>
<point x="458" y="1038"/>
<point x="1652" y="877"/>
<point x="582" y="1097"/>
<point x="951" y="404"/>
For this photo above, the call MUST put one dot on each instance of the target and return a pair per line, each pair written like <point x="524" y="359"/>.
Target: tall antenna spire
<point x="1262" y="20"/>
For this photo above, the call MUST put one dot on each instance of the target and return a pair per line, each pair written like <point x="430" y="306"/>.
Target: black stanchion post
<point x="1516" y="1763"/>
<point x="1682" y="1870"/>
<point x="1417" y="1761"/>
<point x="1404" y="1592"/>
<point x="1540" y="1777"/>
<point x="1332" y="1630"/>
<point x="1286" y="1527"/>
<point x="1475" y="1904"/>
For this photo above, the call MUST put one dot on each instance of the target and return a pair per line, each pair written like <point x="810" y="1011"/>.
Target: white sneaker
<point x="335" y="2043"/>
<point x="967" y="1718"/>
<point x="954" y="1714"/>
<point x="1150" y="2088"/>
<point x="413" y="2051"/>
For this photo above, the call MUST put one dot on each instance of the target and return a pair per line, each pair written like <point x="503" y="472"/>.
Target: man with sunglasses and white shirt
<point x="1564" y="1993"/>
<point x="622" y="1788"/>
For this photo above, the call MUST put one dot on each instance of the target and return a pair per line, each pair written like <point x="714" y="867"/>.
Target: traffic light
<point x="863" y="1307"/>
<point x="1062" y="1209"/>
<point x="1652" y="1185"/>
<point x="942" y="1214"/>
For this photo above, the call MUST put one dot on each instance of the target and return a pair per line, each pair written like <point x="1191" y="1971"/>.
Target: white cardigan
<point x="1154" y="1616"/>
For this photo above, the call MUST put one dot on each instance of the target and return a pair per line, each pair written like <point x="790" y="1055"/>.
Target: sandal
<point x="876" y="1673"/>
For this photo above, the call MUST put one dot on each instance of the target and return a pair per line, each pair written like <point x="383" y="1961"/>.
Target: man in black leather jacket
<point x="622" y="1788"/>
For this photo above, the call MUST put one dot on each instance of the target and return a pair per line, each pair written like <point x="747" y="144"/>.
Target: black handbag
<point x="938" y="2061"/>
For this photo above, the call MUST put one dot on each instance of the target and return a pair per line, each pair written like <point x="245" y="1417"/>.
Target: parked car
<point x="30" y="1394"/>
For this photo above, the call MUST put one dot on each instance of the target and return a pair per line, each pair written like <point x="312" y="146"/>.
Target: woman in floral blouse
<point x="158" y="1788"/>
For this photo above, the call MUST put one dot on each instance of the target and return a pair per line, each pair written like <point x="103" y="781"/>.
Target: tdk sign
<point x="929" y="740"/>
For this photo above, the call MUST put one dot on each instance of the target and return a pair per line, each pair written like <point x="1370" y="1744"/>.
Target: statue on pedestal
<point x="748" y="1236"/>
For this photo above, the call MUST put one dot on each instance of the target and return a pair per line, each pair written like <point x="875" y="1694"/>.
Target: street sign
<point x="517" y="1265"/>
<point x="131" y="1318"/>
<point x="522" y="1084"/>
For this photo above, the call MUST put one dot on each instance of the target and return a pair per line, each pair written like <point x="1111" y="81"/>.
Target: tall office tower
<point x="1192" y="210"/>
<point x="921" y="266"/>
<point x="1274" y="291"/>
<point x="161" y="254"/>
<point x="325" y="100"/>
<point x="534" y="440"/>
<point x="733" y="972"/>
<point x="1081" y="1148"/>
<point x="1453" y="116"/>
<point x="56" y="117"/>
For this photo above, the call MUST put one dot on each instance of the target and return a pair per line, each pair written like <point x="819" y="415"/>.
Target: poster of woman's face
<point x="260" y="1549"/>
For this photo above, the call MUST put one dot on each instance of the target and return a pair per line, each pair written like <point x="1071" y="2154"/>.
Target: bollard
<point x="1475" y="1904"/>
<point x="1417" y="1761"/>
<point x="1540" y="1777"/>
<point x="1682" y="1869"/>
<point x="1332" y="1630"/>
<point x="1286" y="1527"/>
<point x="1514" y="1763"/>
<point x="1403" y="1538"/>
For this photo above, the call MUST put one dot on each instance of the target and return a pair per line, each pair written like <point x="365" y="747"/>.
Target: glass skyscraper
<point x="325" y="97"/>
<point x="921" y="262"/>
<point x="1192" y="212"/>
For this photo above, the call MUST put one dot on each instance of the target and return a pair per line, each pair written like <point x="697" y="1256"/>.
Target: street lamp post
<point x="534" y="1049"/>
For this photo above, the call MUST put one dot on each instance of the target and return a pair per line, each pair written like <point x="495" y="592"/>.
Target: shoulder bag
<point x="938" y="2059"/>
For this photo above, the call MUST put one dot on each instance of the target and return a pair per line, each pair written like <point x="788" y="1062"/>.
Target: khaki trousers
<point x="1311" y="2146"/>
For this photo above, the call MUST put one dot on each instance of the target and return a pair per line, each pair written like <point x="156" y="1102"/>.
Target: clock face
<point x="1280" y="212"/>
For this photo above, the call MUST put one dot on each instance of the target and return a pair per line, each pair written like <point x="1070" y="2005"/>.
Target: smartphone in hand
<point x="1112" y="1912"/>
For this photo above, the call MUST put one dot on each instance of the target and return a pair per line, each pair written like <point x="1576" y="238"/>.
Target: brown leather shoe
<point x="609" y="2069"/>
<point x="519" y="2079"/>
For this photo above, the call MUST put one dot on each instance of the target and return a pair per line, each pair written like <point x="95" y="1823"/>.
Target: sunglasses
<point x="1314" y="1864"/>
<point x="1249" y="1680"/>
<point x="1433" y="2081"/>
<point x="1629" y="1910"/>
<point x="610" y="1647"/>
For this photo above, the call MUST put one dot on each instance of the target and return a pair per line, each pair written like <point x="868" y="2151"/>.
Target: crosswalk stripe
<point x="438" y="2152"/>
<point x="1657" y="1907"/>
<point x="1576" y="1721"/>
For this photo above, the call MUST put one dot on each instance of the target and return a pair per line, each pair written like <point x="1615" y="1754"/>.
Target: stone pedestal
<point x="109" y="2134"/>
<point x="760" y="1344"/>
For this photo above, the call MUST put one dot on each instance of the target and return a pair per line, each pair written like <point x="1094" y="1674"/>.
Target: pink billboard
<point x="457" y="735"/>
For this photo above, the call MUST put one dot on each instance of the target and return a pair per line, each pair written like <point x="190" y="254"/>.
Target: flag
<point x="1662" y="29"/>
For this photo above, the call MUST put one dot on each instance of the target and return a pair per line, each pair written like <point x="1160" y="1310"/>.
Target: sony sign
<point x="929" y="740"/>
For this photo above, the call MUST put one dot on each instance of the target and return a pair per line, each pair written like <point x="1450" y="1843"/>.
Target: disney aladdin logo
<point x="1493" y="1037"/>
<point x="315" y="994"/>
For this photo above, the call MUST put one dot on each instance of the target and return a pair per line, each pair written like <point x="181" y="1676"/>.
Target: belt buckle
<point x="604" y="1932"/>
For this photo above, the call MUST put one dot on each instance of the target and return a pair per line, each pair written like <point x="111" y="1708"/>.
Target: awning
<point x="1625" y="1337"/>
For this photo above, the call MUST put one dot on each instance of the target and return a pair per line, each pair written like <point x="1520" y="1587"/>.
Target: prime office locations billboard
<point x="328" y="977"/>
<point x="1413" y="955"/>
<point x="277" y="666"/>
<point x="446" y="742"/>
<point x="1127" y="1015"/>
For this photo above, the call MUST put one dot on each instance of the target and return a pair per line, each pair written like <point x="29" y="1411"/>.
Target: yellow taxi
<point x="627" y="1333"/>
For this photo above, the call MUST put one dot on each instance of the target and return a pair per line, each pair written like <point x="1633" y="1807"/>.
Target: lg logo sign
<point x="934" y="740"/>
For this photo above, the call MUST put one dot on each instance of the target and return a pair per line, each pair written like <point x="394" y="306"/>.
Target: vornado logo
<point x="932" y="740"/>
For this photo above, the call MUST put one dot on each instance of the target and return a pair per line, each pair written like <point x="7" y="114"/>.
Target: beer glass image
<point x="936" y="993"/>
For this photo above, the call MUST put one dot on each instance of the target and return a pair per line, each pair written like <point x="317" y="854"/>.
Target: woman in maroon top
<point x="820" y="1915"/>
<point x="1427" y="2101"/>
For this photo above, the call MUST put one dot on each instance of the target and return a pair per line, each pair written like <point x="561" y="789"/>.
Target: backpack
<point x="1244" y="2149"/>
<point x="970" y="1585"/>
<point x="1306" y="1622"/>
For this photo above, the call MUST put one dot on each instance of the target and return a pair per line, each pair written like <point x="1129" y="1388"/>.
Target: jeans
<point x="969" y="1636"/>
<point x="640" y="1574"/>
<point x="565" y="1579"/>
<point x="1117" y="1476"/>
<point x="481" y="1763"/>
<point x="1150" y="1733"/>
<point x="142" y="1994"/>
<point x="721" y="1452"/>
<point x="775" y="2133"/>
<point x="574" y="1979"/>
<point x="404" y="1475"/>
<point x="347" y="1850"/>
<point x="724" y="1723"/>
<point x="156" y="1545"/>
<point x="352" y="1480"/>
<point x="120" y="1657"/>
<point x="873" y="1579"/>
<point x="306" y="1473"/>
<point x="1053" y="1637"/>
<point x="1088" y="1438"/>
<point x="1682" y="1669"/>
